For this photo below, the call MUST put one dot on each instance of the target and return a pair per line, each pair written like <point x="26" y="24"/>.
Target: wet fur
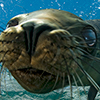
<point x="49" y="52"/>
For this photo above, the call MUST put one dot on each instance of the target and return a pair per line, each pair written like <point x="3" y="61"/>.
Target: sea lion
<point x="49" y="49"/>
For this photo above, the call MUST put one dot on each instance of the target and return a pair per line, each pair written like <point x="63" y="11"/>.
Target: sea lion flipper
<point x="92" y="93"/>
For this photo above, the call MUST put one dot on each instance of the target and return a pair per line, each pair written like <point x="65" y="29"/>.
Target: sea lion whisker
<point x="88" y="47"/>
<point x="22" y="8"/>
<point x="69" y="76"/>
<point x="89" y="55"/>
<point x="63" y="83"/>
<point x="5" y="84"/>
<point x="55" y="82"/>
<point x="91" y="80"/>
<point x="39" y="77"/>
<point x="11" y="81"/>
<point x="88" y="77"/>
<point x="70" y="84"/>
<point x="45" y="84"/>
<point x="3" y="60"/>
<point x="80" y="80"/>
<point x="76" y="86"/>
<point x="89" y="65"/>
<point x="86" y="41"/>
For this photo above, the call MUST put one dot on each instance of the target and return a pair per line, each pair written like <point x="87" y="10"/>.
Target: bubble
<point x="2" y="5"/>
<point x="98" y="7"/>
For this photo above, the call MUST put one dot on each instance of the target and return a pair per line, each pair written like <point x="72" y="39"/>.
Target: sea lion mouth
<point x="36" y="73"/>
<point x="32" y="79"/>
<point x="32" y="71"/>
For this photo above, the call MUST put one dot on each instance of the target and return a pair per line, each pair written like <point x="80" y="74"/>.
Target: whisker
<point x="42" y="72"/>
<point x="80" y="80"/>
<point x="91" y="80"/>
<point x="89" y="65"/>
<point x="11" y="81"/>
<point x="88" y="77"/>
<point x="5" y="84"/>
<point x="45" y="85"/>
<point x="82" y="39"/>
<point x="22" y="8"/>
<point x="69" y="77"/>
<point x="76" y="86"/>
<point x="82" y="46"/>
<point x="55" y="82"/>
<point x="89" y="56"/>
<point x="70" y="83"/>
<point x="39" y="77"/>
<point x="82" y="42"/>
<point x="89" y="41"/>
<point x="63" y="83"/>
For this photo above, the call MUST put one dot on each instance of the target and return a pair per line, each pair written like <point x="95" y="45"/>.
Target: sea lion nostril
<point x="32" y="33"/>
<point x="29" y="28"/>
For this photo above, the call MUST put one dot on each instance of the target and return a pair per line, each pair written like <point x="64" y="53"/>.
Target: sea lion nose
<point x="32" y="33"/>
<point x="29" y="37"/>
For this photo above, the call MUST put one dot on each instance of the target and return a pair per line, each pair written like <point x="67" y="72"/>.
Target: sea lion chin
<point x="50" y="49"/>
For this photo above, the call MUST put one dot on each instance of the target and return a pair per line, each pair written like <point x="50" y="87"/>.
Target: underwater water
<point x="9" y="88"/>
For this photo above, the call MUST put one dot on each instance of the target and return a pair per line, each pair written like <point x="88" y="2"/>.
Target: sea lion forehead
<point x="58" y="17"/>
<point x="51" y="14"/>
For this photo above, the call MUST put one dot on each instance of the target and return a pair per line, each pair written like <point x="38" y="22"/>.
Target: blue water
<point x="11" y="90"/>
<point x="89" y="9"/>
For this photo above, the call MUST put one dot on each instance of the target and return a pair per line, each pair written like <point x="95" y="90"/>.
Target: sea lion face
<point x="44" y="50"/>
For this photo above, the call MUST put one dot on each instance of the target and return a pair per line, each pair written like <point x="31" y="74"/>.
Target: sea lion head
<point x="46" y="49"/>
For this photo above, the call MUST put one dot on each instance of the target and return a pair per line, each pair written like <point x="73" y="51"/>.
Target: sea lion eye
<point x="89" y="36"/>
<point x="12" y="23"/>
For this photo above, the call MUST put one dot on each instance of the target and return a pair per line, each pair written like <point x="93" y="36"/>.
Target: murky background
<point x="10" y="89"/>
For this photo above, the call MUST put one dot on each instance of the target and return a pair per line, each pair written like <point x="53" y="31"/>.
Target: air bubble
<point x="2" y="5"/>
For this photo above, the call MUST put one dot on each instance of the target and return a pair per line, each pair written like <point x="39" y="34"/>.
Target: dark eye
<point x="12" y="23"/>
<point x="89" y="36"/>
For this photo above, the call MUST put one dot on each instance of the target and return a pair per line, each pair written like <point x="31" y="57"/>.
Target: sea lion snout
<point x="32" y="33"/>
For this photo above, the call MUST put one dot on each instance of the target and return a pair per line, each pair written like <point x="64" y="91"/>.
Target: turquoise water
<point x="10" y="89"/>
